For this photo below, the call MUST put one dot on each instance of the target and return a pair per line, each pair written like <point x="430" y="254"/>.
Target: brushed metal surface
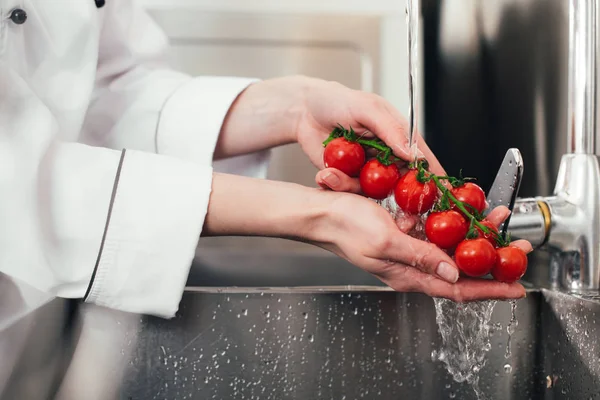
<point x="322" y="342"/>
<point x="33" y="346"/>
<point x="342" y="48"/>
<point x="314" y="344"/>
<point x="496" y="77"/>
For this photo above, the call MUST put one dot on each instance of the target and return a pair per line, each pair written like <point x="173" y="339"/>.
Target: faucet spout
<point x="531" y="221"/>
<point x="568" y="223"/>
<point x="583" y="63"/>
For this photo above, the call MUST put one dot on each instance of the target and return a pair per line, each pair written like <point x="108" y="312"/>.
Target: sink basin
<point x="250" y="335"/>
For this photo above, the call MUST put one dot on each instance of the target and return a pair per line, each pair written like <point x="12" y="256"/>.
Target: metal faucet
<point x="567" y="224"/>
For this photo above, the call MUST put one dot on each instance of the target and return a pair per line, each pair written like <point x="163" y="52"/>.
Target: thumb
<point x="427" y="257"/>
<point x="336" y="180"/>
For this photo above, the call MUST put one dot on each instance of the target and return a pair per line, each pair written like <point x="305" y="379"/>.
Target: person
<point x="82" y="218"/>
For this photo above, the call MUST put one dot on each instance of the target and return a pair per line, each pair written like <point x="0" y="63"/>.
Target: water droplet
<point x="355" y="311"/>
<point x="452" y="395"/>
<point x="507" y="368"/>
<point x="245" y="312"/>
<point x="311" y="338"/>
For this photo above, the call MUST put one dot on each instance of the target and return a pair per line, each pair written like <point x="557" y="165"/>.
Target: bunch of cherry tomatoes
<point x="454" y="220"/>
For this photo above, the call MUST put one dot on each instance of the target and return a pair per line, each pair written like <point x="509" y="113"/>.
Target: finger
<point x="498" y="215"/>
<point x="407" y="223"/>
<point x="523" y="245"/>
<point x="380" y="117"/>
<point x="422" y="255"/>
<point x="403" y="278"/>
<point x="371" y="112"/>
<point x="434" y="164"/>
<point x="314" y="150"/>
<point x="336" y="180"/>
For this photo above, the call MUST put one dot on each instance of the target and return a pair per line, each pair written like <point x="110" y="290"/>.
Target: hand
<point x="328" y="104"/>
<point x="305" y="110"/>
<point x="351" y="226"/>
<point x="366" y="235"/>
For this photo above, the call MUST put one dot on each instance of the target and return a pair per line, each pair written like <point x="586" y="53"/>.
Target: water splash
<point x="465" y="330"/>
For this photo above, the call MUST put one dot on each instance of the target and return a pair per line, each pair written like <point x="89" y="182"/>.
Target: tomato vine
<point x="385" y="154"/>
<point x="446" y="201"/>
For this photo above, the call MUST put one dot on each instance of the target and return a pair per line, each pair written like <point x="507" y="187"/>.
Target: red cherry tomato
<point x="377" y="180"/>
<point x="446" y="229"/>
<point x="413" y="196"/>
<point x="471" y="194"/>
<point x="488" y="236"/>
<point x="511" y="264"/>
<point x="348" y="157"/>
<point x="475" y="257"/>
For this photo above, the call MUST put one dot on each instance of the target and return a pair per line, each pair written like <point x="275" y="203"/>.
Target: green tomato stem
<point x="462" y="208"/>
<point x="328" y="140"/>
<point x="385" y="157"/>
<point x="376" y="144"/>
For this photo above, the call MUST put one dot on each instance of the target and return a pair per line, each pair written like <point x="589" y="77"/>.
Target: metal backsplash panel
<point x="343" y="48"/>
<point x="496" y="75"/>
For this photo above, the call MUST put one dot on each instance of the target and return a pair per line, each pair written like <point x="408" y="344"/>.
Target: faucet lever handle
<point x="505" y="188"/>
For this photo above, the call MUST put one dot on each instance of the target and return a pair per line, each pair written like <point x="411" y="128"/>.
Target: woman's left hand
<point x="329" y="104"/>
<point x="306" y="110"/>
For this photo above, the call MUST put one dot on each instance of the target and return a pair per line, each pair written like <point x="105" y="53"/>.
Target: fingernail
<point x="406" y="225"/>
<point x="403" y="149"/>
<point x="447" y="272"/>
<point x="331" y="179"/>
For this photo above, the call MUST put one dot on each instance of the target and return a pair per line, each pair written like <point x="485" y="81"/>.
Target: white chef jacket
<point x="79" y="216"/>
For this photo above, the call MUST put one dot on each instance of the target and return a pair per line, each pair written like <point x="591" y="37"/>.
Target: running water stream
<point x="413" y="8"/>
<point x="465" y="329"/>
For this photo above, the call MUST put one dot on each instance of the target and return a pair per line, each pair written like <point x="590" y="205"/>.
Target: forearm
<point x="265" y="115"/>
<point x="241" y="206"/>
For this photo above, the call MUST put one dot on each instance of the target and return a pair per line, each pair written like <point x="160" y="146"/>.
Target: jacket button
<point x="18" y="16"/>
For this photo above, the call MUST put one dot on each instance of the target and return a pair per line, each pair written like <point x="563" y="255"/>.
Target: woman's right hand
<point x="351" y="226"/>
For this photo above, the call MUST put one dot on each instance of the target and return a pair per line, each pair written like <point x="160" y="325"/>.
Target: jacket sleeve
<point x="116" y="227"/>
<point x="140" y="103"/>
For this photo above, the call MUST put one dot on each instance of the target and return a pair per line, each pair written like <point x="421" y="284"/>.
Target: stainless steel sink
<point x="336" y="342"/>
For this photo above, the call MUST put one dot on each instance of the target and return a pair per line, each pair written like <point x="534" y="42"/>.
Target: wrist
<point x="274" y="209"/>
<point x="265" y="115"/>
<point x="283" y="105"/>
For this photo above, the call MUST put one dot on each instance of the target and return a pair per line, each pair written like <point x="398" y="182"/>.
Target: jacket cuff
<point x="155" y="219"/>
<point x="192" y="117"/>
